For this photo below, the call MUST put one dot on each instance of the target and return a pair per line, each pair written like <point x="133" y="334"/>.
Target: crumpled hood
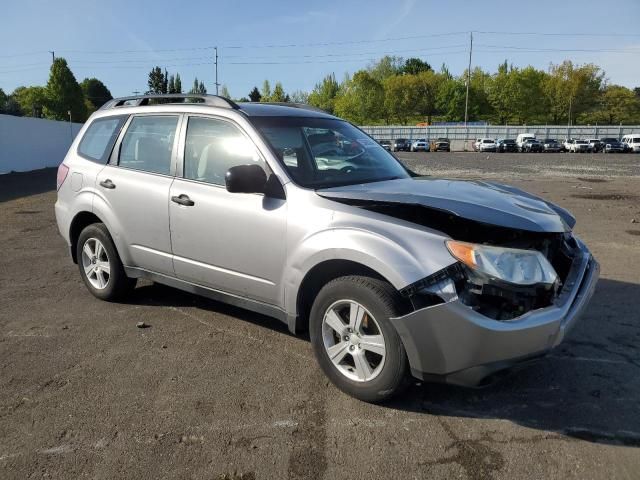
<point x="485" y="202"/>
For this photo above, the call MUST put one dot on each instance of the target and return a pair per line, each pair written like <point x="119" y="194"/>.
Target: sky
<point x="298" y="42"/>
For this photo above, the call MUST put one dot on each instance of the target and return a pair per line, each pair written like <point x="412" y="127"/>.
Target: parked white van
<point x="632" y="142"/>
<point x="522" y="137"/>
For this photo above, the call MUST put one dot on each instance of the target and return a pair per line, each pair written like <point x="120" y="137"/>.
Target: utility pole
<point x="136" y="92"/>
<point x="217" y="84"/>
<point x="53" y="56"/>
<point x="466" y="101"/>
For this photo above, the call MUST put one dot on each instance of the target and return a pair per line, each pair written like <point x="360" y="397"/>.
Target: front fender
<point x="396" y="261"/>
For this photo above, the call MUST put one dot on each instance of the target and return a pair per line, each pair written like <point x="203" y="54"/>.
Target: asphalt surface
<point x="214" y="392"/>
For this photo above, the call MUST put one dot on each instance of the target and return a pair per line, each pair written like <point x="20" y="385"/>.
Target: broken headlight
<point x="516" y="266"/>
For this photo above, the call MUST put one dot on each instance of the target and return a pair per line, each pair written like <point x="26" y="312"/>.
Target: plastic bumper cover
<point x="453" y="343"/>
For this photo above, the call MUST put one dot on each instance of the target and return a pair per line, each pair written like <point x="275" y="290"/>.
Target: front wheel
<point x="100" y="266"/>
<point x="354" y="341"/>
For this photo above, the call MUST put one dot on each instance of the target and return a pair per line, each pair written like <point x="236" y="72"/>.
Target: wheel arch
<point x="318" y="276"/>
<point x="80" y="221"/>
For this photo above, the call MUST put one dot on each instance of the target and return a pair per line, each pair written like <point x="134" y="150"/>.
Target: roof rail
<point x="171" y="98"/>
<point x="302" y="106"/>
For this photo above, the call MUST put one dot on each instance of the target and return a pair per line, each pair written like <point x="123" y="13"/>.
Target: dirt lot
<point x="210" y="391"/>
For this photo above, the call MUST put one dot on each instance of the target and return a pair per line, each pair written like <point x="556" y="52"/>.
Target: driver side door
<point x="233" y="242"/>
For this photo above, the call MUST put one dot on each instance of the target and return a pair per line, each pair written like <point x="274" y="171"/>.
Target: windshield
<point x="581" y="142"/>
<point x="550" y="140"/>
<point x="487" y="141"/>
<point x="326" y="152"/>
<point x="609" y="140"/>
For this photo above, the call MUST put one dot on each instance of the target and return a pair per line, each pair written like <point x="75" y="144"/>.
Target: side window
<point x="213" y="147"/>
<point x="148" y="143"/>
<point x="99" y="138"/>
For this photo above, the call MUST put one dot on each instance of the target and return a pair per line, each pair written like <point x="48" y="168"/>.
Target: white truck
<point x="522" y="138"/>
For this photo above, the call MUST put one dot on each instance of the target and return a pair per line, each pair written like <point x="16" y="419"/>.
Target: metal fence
<point x="462" y="133"/>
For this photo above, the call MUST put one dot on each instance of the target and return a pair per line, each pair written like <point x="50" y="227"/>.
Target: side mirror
<point x="246" y="179"/>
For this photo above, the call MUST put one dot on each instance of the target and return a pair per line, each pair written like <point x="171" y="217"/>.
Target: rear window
<point x="99" y="138"/>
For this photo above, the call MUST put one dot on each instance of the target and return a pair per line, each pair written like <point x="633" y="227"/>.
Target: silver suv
<point x="294" y="213"/>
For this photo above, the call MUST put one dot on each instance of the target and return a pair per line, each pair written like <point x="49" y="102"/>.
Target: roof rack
<point x="172" y="98"/>
<point x="302" y="106"/>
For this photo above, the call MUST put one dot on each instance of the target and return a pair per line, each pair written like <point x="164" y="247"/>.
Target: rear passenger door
<point x="135" y="186"/>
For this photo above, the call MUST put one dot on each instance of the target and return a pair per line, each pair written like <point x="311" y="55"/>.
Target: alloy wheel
<point x="353" y="340"/>
<point x="95" y="262"/>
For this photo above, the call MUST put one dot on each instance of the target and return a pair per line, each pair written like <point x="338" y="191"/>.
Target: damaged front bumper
<point x="453" y="343"/>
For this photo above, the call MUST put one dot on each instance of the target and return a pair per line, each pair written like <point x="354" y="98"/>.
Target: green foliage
<point x="95" y="92"/>
<point x="386" y="67"/>
<point x="414" y="66"/>
<point x="298" y="96"/>
<point x="362" y="99"/>
<point x="617" y="105"/>
<point x="279" y="94"/>
<point x="198" y="87"/>
<point x="324" y="93"/>
<point x="265" y="93"/>
<point x="156" y="81"/>
<point x="255" y="95"/>
<point x="177" y="85"/>
<point x="171" y="86"/>
<point x="64" y="95"/>
<point x="224" y="92"/>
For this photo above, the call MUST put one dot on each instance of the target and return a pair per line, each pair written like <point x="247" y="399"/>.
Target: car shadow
<point x="156" y="294"/>
<point x="587" y="388"/>
<point x="23" y="184"/>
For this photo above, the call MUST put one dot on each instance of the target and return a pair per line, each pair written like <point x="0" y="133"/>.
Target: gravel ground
<point x="214" y="392"/>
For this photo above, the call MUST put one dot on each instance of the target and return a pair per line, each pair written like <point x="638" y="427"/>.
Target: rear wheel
<point x="100" y="266"/>
<point x="353" y="339"/>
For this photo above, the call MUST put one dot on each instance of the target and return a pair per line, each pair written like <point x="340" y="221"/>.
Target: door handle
<point x="183" y="200"/>
<point x="108" y="184"/>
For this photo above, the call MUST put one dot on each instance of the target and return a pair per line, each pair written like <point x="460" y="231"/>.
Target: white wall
<point x="32" y="143"/>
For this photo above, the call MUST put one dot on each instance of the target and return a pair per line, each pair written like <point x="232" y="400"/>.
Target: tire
<point x="380" y="302"/>
<point x="96" y="250"/>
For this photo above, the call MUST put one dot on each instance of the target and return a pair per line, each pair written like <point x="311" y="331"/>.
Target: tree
<point x="278" y="94"/>
<point x="571" y="90"/>
<point x="224" y="92"/>
<point x="265" y="93"/>
<point x="64" y="95"/>
<point x="171" y="86"/>
<point x="426" y="85"/>
<point x="414" y="66"/>
<point x="362" y="99"/>
<point x="618" y="105"/>
<point x="198" y="87"/>
<point x="299" y="96"/>
<point x="451" y="99"/>
<point x="399" y="97"/>
<point x="96" y="93"/>
<point x="502" y="93"/>
<point x="165" y="82"/>
<point x="255" y="95"/>
<point x="3" y="100"/>
<point x="324" y="93"/>
<point x="386" y="67"/>
<point x="177" y="84"/>
<point x="155" y="81"/>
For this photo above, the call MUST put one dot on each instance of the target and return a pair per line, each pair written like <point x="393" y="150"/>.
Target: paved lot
<point x="210" y="391"/>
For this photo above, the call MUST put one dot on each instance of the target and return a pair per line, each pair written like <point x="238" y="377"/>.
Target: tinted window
<point x="213" y="147"/>
<point x="148" y="143"/>
<point x="99" y="138"/>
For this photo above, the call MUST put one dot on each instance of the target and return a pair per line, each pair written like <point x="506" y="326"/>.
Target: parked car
<point x="401" y="145"/>
<point x="577" y="146"/>
<point x="632" y="142"/>
<point x="386" y="144"/>
<point x="506" y="145"/>
<point x="612" y="145"/>
<point x="521" y="138"/>
<point x="594" y="145"/>
<point x="486" y="145"/>
<point x="441" y="145"/>
<point x="420" y="145"/>
<point x="531" y="145"/>
<point x="260" y="206"/>
<point x="550" y="145"/>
